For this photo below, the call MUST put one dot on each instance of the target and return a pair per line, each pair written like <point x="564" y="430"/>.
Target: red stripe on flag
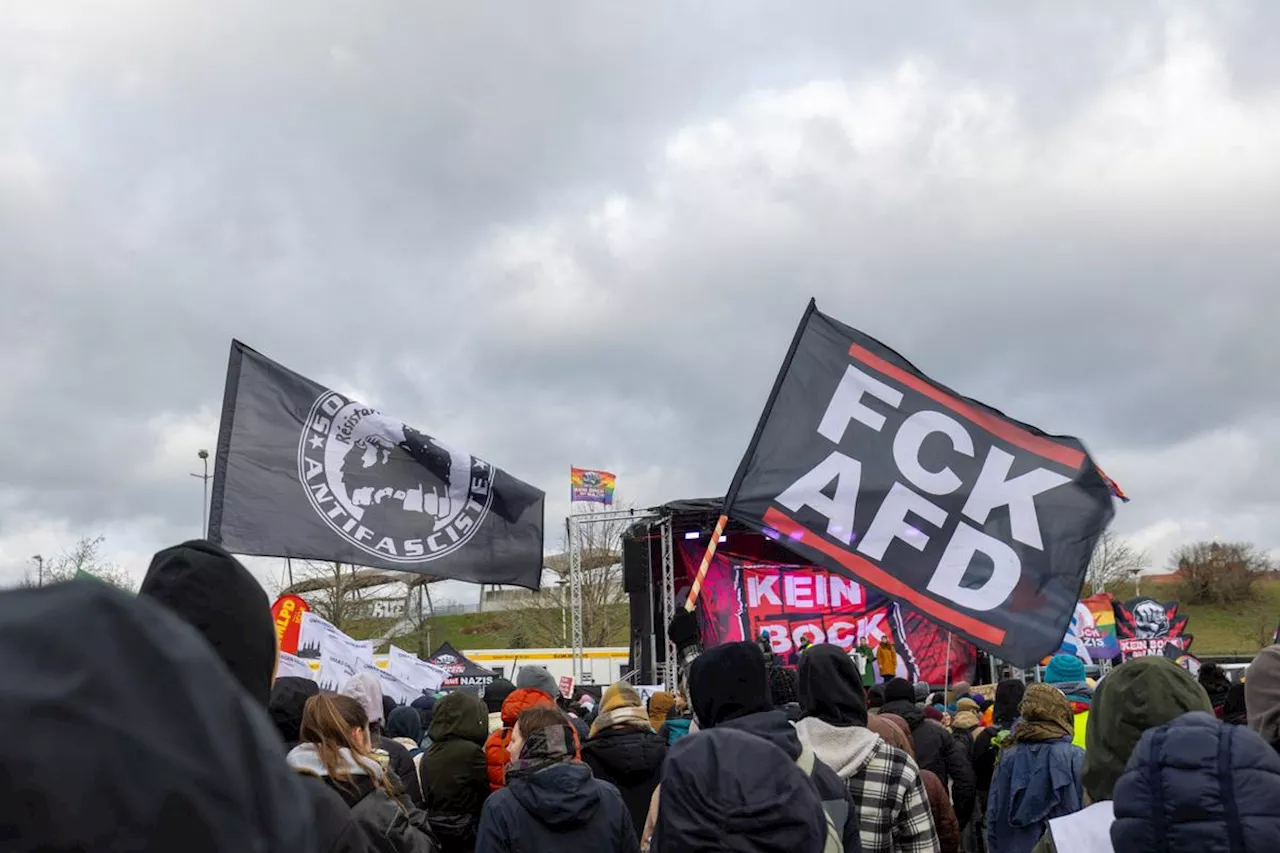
<point x="879" y="578"/>
<point x="1015" y="435"/>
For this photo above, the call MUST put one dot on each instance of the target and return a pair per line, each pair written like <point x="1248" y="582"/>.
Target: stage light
<point x="692" y="534"/>
<point x="724" y="539"/>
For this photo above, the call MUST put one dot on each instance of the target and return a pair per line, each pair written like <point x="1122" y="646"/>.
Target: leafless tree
<point x="350" y="596"/>
<point x="83" y="558"/>
<point x="545" y="617"/>
<point x="1218" y="572"/>
<point x="1114" y="561"/>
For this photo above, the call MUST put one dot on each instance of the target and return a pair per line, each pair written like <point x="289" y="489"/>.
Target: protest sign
<point x="313" y="632"/>
<point x="292" y="666"/>
<point x="286" y="613"/>
<point x="422" y="676"/>
<point x="394" y="688"/>
<point x="865" y="466"/>
<point x="338" y="665"/>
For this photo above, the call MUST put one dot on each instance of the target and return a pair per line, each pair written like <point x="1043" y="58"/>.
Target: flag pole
<point x="706" y="563"/>
<point x="946" y="678"/>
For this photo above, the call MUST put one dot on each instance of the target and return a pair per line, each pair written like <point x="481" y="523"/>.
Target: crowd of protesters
<point x="156" y="722"/>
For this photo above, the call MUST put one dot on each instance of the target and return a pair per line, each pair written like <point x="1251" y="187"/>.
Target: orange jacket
<point x="495" y="748"/>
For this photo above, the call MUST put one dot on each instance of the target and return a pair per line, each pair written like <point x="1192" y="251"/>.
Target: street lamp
<point x="39" y="561"/>
<point x="204" y="510"/>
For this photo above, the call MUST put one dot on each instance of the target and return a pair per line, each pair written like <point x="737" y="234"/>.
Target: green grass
<point x="498" y="630"/>
<point x="1233" y="629"/>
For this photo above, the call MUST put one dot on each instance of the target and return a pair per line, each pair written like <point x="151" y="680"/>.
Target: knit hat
<point x="537" y="678"/>
<point x="899" y="690"/>
<point x="496" y="692"/>
<point x="782" y="686"/>
<point x="967" y="704"/>
<point x="727" y="682"/>
<point x="921" y="691"/>
<point x="1064" y="669"/>
<point x="933" y="713"/>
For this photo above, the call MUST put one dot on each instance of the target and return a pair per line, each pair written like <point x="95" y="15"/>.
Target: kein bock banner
<point x="304" y="471"/>
<point x="865" y="466"/>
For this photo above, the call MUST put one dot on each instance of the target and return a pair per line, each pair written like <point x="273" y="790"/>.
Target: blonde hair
<point x="327" y="722"/>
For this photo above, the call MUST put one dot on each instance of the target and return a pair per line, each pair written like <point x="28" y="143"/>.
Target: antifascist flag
<point x="305" y="471"/>
<point x="588" y="486"/>
<point x="862" y="464"/>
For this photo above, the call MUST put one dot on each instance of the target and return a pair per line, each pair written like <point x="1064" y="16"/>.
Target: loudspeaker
<point x="635" y="566"/>
<point x="641" y="635"/>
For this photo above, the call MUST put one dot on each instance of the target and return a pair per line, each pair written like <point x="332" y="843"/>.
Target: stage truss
<point x="573" y="532"/>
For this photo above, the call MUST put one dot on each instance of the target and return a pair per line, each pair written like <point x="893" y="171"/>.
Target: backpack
<point x="835" y="811"/>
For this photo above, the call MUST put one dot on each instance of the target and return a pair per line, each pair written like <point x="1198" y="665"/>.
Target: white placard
<point x="292" y="666"/>
<point x="396" y="689"/>
<point x="314" y="630"/>
<point x="415" y="672"/>
<point x="647" y="690"/>
<point x="337" y="665"/>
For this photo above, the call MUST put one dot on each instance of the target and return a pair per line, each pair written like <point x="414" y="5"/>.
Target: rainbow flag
<point x="588" y="486"/>
<point x="1113" y="486"/>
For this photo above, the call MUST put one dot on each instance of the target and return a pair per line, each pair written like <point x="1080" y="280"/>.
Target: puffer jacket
<point x="632" y="761"/>
<point x="1197" y="784"/>
<point x="495" y="748"/>
<point x="560" y="808"/>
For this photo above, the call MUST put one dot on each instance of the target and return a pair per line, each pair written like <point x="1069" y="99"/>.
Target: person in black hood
<point x="728" y="687"/>
<point x="1009" y="695"/>
<point x="125" y="732"/>
<point x="426" y="707"/>
<point x="1233" y="709"/>
<point x="728" y="790"/>
<point x="936" y="750"/>
<point x="211" y="591"/>
<point x="623" y="749"/>
<point x="455" y="778"/>
<point x="495" y="693"/>
<point x="289" y="696"/>
<point x="783" y="692"/>
<point x="552" y="802"/>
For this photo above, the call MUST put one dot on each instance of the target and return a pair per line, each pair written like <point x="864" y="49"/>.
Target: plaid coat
<point x="884" y="786"/>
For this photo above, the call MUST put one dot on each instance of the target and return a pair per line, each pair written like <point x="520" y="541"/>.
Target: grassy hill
<point x="1239" y="629"/>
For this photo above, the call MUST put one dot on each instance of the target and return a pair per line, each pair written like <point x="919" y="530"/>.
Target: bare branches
<point x="1114" y="561"/>
<point x="1218" y="572"/>
<point x="84" y="558"/>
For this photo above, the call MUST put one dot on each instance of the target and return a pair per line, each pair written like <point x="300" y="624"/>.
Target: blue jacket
<point x="560" y="808"/>
<point x="1034" y="782"/>
<point x="1197" y="784"/>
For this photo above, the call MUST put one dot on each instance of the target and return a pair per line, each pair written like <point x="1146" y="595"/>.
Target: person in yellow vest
<point x="1066" y="672"/>
<point x="887" y="659"/>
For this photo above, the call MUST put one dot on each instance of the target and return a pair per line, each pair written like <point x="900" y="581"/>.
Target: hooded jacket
<point x="454" y="775"/>
<point x="216" y="595"/>
<point x="425" y="706"/>
<point x="883" y="782"/>
<point x="1262" y="695"/>
<point x="288" y="700"/>
<point x="367" y="690"/>
<point x="126" y="732"/>
<point x="936" y="750"/>
<point x="728" y="688"/>
<point x="495" y="748"/>
<point x="560" y="808"/>
<point x="1034" y="782"/>
<point x="725" y="790"/>
<point x="388" y="826"/>
<point x="631" y="759"/>
<point x="1138" y="695"/>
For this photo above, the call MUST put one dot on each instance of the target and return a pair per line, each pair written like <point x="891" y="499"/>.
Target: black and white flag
<point x="864" y="465"/>
<point x="304" y="471"/>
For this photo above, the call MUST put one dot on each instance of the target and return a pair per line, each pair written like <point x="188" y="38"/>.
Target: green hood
<point x="459" y="715"/>
<point x="1139" y="695"/>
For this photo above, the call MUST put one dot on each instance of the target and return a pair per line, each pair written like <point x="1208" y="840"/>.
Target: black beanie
<point x="899" y="689"/>
<point x="727" y="682"/>
<point x="218" y="597"/>
<point x="829" y="687"/>
<point x="782" y="686"/>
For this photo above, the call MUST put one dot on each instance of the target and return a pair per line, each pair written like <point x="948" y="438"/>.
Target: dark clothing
<point x="726" y="682"/>
<point x="580" y="726"/>
<point x="561" y="808"/>
<point x="288" y="699"/>
<point x="496" y="692"/>
<point x="1008" y="696"/>
<point x="403" y="768"/>
<point x="404" y="723"/>
<point x="725" y="790"/>
<point x="336" y="830"/>
<point x="829" y="687"/>
<point x="632" y="761"/>
<point x="425" y="706"/>
<point x="388" y="826"/>
<point x="453" y="770"/>
<point x="944" y="814"/>
<point x="1233" y="709"/>
<point x="984" y="759"/>
<point x="218" y="597"/>
<point x="938" y="752"/>
<point x="125" y="732"/>
<point x="1196" y="784"/>
<point x="773" y="727"/>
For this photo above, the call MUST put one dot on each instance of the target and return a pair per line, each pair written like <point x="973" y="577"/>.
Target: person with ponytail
<point x="335" y="747"/>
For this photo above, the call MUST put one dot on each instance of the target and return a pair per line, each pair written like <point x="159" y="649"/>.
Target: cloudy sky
<point x="582" y="233"/>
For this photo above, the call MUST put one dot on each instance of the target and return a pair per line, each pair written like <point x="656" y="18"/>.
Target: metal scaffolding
<point x="573" y="535"/>
<point x="672" y="669"/>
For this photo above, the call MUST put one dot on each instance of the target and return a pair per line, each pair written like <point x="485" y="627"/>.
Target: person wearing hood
<point x="289" y="696"/>
<point x="1262" y="695"/>
<point x="1067" y="673"/>
<point x="455" y="777"/>
<point x="986" y="745"/>
<point x="623" y="749"/>
<point x="936" y="751"/>
<point x="534" y="687"/>
<point x="551" y="801"/>
<point x="783" y="692"/>
<point x="404" y="726"/>
<point x="1234" y="710"/>
<point x="335" y="748"/>
<point x="887" y="659"/>
<point x="495" y="693"/>
<point x="883" y="782"/>
<point x="211" y="591"/>
<point x="728" y="686"/>
<point x="126" y="732"/>
<point x="728" y="790"/>
<point x="1138" y="695"/>
<point x="425" y="706"/>
<point x="1038" y="776"/>
<point x="365" y="688"/>
<point x="1196" y="784"/>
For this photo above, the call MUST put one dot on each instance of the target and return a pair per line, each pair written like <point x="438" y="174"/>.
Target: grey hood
<point x="845" y="749"/>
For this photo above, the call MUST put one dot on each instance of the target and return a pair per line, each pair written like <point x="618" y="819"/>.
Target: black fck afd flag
<point x="304" y="471"/>
<point x="864" y="465"/>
